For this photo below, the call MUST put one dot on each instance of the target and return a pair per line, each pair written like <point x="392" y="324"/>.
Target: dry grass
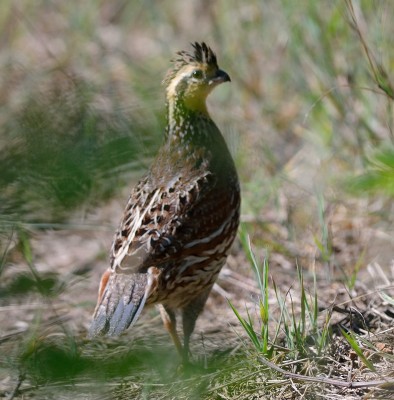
<point x="309" y="110"/>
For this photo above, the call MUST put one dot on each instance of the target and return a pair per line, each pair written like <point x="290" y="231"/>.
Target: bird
<point x="181" y="218"/>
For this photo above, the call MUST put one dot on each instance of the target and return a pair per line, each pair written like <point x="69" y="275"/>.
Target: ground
<point x="308" y="117"/>
<point x="44" y="340"/>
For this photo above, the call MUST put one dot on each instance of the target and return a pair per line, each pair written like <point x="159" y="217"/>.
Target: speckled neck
<point x="186" y="125"/>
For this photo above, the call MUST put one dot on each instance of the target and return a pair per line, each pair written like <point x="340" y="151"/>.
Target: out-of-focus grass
<point x="378" y="176"/>
<point x="61" y="154"/>
<point x="81" y="109"/>
<point x="71" y="131"/>
<point x="87" y="77"/>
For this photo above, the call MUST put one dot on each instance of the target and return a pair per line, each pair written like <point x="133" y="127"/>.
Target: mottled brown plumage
<point x="181" y="219"/>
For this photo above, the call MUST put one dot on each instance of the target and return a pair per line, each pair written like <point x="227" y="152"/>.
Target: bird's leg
<point x="189" y="317"/>
<point x="169" y="321"/>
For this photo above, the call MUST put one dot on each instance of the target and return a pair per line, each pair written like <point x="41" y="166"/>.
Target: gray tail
<point x="120" y="305"/>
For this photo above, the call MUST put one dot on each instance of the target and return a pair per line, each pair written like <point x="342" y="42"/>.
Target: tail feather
<point x="120" y="304"/>
<point x="124" y="316"/>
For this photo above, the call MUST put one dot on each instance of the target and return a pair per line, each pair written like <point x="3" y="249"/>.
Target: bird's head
<point x="193" y="77"/>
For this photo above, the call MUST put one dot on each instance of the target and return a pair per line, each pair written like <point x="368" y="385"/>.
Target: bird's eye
<point x="197" y="74"/>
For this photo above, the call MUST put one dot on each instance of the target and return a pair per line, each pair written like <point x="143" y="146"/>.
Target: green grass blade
<point x="350" y="338"/>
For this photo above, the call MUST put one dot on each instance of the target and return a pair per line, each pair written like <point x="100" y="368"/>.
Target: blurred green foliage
<point x="379" y="175"/>
<point x="61" y="154"/>
<point x="79" y="107"/>
<point x="24" y="284"/>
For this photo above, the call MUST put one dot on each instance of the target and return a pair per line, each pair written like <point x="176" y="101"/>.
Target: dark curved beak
<point x="220" y="77"/>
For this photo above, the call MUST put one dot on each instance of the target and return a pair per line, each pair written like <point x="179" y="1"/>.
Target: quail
<point x="181" y="218"/>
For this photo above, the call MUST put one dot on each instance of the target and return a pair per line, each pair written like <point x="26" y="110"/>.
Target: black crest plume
<point x="202" y="54"/>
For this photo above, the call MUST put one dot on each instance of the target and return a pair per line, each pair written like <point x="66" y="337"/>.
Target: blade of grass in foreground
<point x="351" y="339"/>
<point x="260" y="342"/>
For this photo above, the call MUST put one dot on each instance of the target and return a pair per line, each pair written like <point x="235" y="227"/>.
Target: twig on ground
<point x="21" y="378"/>
<point x="327" y="381"/>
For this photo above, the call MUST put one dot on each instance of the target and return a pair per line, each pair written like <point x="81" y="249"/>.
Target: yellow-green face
<point x="193" y="83"/>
